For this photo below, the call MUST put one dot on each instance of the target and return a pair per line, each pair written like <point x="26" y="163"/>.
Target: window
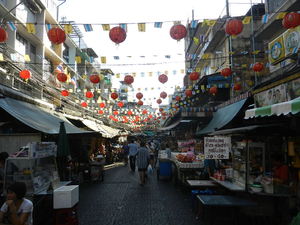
<point x="66" y="53"/>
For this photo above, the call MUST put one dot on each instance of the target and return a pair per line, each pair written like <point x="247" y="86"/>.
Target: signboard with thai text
<point x="217" y="147"/>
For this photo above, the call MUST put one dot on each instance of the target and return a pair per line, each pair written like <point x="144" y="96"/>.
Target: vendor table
<point x="213" y="202"/>
<point x="201" y="183"/>
<point x="227" y="184"/>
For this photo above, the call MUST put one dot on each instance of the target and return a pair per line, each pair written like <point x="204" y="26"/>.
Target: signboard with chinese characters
<point x="217" y="147"/>
<point x="276" y="48"/>
<point x="291" y="39"/>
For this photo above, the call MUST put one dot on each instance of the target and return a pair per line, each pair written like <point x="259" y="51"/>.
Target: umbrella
<point x="63" y="151"/>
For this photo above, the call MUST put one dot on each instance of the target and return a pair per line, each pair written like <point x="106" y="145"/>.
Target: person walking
<point x="133" y="149"/>
<point x="143" y="158"/>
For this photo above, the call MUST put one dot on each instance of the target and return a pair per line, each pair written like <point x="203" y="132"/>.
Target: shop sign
<point x="217" y="147"/>
<point x="280" y="93"/>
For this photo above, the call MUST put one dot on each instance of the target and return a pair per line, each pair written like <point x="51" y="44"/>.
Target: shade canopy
<point x="37" y="118"/>
<point x="222" y="117"/>
<point x="278" y="109"/>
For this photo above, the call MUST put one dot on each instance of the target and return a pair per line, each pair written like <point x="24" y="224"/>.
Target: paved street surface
<point x="120" y="200"/>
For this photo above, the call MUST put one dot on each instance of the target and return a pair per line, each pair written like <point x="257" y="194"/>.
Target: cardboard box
<point x="65" y="197"/>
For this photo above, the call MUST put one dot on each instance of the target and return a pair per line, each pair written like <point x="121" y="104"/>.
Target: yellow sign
<point x="276" y="50"/>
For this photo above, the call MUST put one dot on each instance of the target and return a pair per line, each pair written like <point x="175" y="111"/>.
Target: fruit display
<point x="185" y="158"/>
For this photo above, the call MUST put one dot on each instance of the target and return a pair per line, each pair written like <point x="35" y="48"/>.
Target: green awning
<point x="222" y="117"/>
<point x="278" y="109"/>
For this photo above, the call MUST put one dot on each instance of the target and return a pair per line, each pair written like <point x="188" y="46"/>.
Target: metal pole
<point x="57" y="9"/>
<point x="230" y="49"/>
<point x="253" y="39"/>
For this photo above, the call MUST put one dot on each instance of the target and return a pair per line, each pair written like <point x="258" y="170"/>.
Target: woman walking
<point x="143" y="158"/>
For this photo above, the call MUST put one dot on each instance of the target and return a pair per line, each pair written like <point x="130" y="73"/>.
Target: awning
<point x="37" y="118"/>
<point x="241" y="130"/>
<point x="278" y="109"/>
<point x="170" y="126"/>
<point x="97" y="127"/>
<point x="222" y="117"/>
<point x="111" y="131"/>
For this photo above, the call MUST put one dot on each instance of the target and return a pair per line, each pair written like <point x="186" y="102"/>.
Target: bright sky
<point x="153" y="45"/>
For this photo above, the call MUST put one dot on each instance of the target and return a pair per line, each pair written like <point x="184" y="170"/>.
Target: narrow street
<point x="120" y="200"/>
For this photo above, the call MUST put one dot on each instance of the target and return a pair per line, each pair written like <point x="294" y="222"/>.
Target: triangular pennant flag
<point x="88" y="27"/>
<point x="265" y="18"/>
<point x="150" y="74"/>
<point x="196" y="40"/>
<point x="194" y="23"/>
<point x="280" y="15"/>
<point x="27" y="58"/>
<point x="174" y="72"/>
<point x="141" y="27"/>
<point x="247" y="19"/>
<point x="30" y="28"/>
<point x="205" y="23"/>
<point x="182" y="71"/>
<point x="1" y="57"/>
<point x="77" y="59"/>
<point x="197" y="70"/>
<point x="167" y="56"/>
<point x="118" y="75"/>
<point x="105" y="27"/>
<point x="211" y="23"/>
<point x="158" y="24"/>
<point x="124" y="26"/>
<point x="48" y="26"/>
<point x="176" y="22"/>
<point x="103" y="59"/>
<point x="68" y="28"/>
<point x="12" y="26"/>
<point x="116" y="57"/>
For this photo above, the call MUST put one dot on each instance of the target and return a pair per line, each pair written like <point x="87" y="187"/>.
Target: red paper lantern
<point x="100" y="111"/>
<point x="178" y="32"/>
<point x="89" y="94"/>
<point x="159" y="101"/>
<point x="163" y="78"/>
<point x="25" y="74"/>
<point x="226" y="72"/>
<point x="237" y="87"/>
<point x="128" y="79"/>
<point x="114" y="95"/>
<point x="150" y="116"/>
<point x="84" y="104"/>
<point x="139" y="95"/>
<point x="3" y="35"/>
<point x="56" y="35"/>
<point x="115" y="113"/>
<point x="194" y="76"/>
<point x="145" y="111"/>
<point x="213" y="90"/>
<point x="120" y="104"/>
<point x="257" y="67"/>
<point x="94" y="78"/>
<point x="163" y="95"/>
<point x="188" y="93"/>
<point x="177" y="98"/>
<point x="129" y="113"/>
<point x="117" y="35"/>
<point x="64" y="93"/>
<point x="234" y="27"/>
<point x="62" y="77"/>
<point x="140" y="102"/>
<point x="161" y="109"/>
<point x="291" y="20"/>
<point x="102" y="105"/>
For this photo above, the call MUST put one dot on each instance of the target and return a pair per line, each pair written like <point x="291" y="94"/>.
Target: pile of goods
<point x="187" y="158"/>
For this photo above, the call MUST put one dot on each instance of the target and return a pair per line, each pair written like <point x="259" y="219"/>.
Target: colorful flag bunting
<point x="116" y="57"/>
<point x="106" y="27"/>
<point x="196" y="40"/>
<point x="158" y="24"/>
<point x="48" y="26"/>
<point x="124" y="26"/>
<point x="88" y="27"/>
<point x="141" y="27"/>
<point x="167" y="56"/>
<point x="280" y="15"/>
<point x="12" y="26"/>
<point x="30" y="28"/>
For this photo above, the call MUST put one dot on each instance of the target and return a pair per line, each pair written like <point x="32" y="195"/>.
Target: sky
<point x="144" y="53"/>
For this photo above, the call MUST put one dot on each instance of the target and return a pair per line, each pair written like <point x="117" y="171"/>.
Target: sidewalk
<point x="120" y="200"/>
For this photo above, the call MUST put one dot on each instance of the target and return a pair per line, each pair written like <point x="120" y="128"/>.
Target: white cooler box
<point x="65" y="197"/>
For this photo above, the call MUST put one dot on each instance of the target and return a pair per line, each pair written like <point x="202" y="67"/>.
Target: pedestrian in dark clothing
<point x="143" y="158"/>
<point x="133" y="149"/>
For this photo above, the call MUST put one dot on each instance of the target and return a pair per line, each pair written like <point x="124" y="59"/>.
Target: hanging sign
<point x="217" y="147"/>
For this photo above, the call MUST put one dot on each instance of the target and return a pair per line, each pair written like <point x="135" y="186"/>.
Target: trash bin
<point x="164" y="169"/>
